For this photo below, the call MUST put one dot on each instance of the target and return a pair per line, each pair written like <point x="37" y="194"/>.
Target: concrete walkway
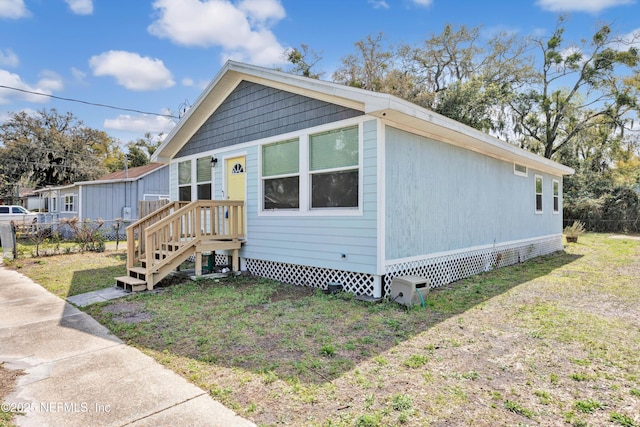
<point x="82" y="300"/>
<point x="78" y="374"/>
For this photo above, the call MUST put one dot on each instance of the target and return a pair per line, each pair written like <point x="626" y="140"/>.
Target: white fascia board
<point x="442" y="128"/>
<point x="62" y="187"/>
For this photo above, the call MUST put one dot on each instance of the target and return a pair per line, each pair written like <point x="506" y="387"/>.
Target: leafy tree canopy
<point x="49" y="148"/>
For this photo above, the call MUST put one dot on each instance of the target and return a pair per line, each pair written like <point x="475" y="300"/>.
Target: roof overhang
<point x="440" y="128"/>
<point x="384" y="106"/>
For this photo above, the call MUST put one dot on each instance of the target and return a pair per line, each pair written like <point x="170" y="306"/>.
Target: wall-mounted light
<point x="214" y="161"/>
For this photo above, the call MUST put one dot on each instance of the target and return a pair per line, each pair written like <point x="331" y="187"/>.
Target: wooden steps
<point x="131" y="284"/>
<point x="160" y="242"/>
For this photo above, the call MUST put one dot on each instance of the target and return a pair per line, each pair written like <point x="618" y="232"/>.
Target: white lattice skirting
<point x="440" y="269"/>
<point x="448" y="267"/>
<point x="301" y="275"/>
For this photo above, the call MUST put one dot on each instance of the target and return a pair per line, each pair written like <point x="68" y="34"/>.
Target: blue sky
<point x="155" y="56"/>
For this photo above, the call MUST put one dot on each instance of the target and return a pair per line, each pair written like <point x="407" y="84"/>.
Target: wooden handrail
<point x="135" y="231"/>
<point x="200" y="220"/>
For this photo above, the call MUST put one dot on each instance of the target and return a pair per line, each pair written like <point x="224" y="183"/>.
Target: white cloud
<point x="131" y="70"/>
<point x="262" y="12"/>
<point x="140" y="124"/>
<point x="50" y="81"/>
<point x="78" y="75"/>
<point x="591" y="6"/>
<point x="14" y="81"/>
<point x="189" y="82"/>
<point x="242" y="31"/>
<point x="629" y="40"/>
<point x="8" y="58"/>
<point x="423" y="2"/>
<point x="13" y="9"/>
<point x="379" y="4"/>
<point x="81" y="7"/>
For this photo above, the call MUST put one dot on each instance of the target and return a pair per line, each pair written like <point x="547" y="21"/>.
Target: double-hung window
<point x="184" y="181"/>
<point x="334" y="168"/>
<point x="281" y="175"/>
<point x="556" y="196"/>
<point x="539" y="193"/>
<point x="203" y="178"/>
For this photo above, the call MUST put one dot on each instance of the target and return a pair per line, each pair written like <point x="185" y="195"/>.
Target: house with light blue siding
<point x="112" y="196"/>
<point x="350" y="186"/>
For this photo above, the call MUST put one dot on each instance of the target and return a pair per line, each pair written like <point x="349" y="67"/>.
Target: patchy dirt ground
<point x="552" y="342"/>
<point x="127" y="312"/>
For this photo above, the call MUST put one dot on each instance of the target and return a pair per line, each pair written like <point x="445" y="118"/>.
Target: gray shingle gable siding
<point x="253" y="111"/>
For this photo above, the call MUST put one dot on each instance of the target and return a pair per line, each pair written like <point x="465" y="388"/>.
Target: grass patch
<point x="74" y="273"/>
<point x="587" y="406"/>
<point x="517" y="408"/>
<point x="622" y="419"/>
<point x="497" y="347"/>
<point x="416" y="361"/>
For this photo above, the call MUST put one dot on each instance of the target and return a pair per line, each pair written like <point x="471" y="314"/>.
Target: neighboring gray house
<point x="356" y="187"/>
<point x="113" y="196"/>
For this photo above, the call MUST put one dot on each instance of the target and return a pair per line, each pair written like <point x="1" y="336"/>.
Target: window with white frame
<point x="54" y="204"/>
<point x="556" y="196"/>
<point x="70" y="202"/>
<point x="519" y="169"/>
<point x="281" y="175"/>
<point x="203" y="178"/>
<point x="184" y="181"/>
<point x="539" y="186"/>
<point x="334" y="168"/>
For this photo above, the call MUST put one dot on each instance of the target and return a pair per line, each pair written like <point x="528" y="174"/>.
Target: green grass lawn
<point x="70" y="272"/>
<point x="553" y="341"/>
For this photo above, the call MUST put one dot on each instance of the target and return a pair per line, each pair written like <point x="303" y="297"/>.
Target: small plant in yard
<point x="471" y="375"/>
<point x="328" y="350"/>
<point x="368" y="420"/>
<point x="416" y="361"/>
<point x="622" y="419"/>
<point x="580" y="376"/>
<point x="573" y="231"/>
<point x="635" y="392"/>
<point x="545" y="397"/>
<point x="587" y="406"/>
<point x="570" y="418"/>
<point x="404" y="404"/>
<point x="401" y="402"/>
<point x="516" y="408"/>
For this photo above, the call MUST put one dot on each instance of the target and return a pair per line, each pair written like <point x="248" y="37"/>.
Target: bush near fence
<point x="614" y="212"/>
<point x="87" y="235"/>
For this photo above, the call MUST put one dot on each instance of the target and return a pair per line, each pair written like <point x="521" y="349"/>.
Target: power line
<point x="87" y="102"/>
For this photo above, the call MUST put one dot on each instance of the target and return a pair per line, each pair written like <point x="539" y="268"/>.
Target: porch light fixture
<point x="214" y="161"/>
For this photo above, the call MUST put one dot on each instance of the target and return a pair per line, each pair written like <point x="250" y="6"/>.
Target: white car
<point x="16" y="213"/>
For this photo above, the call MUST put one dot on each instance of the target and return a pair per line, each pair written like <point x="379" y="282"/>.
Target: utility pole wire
<point x="87" y="102"/>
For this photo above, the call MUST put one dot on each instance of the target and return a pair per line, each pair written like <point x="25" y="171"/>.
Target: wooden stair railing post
<point x="131" y="247"/>
<point x="179" y="230"/>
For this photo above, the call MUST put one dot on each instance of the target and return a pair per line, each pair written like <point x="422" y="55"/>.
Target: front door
<point x="235" y="168"/>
